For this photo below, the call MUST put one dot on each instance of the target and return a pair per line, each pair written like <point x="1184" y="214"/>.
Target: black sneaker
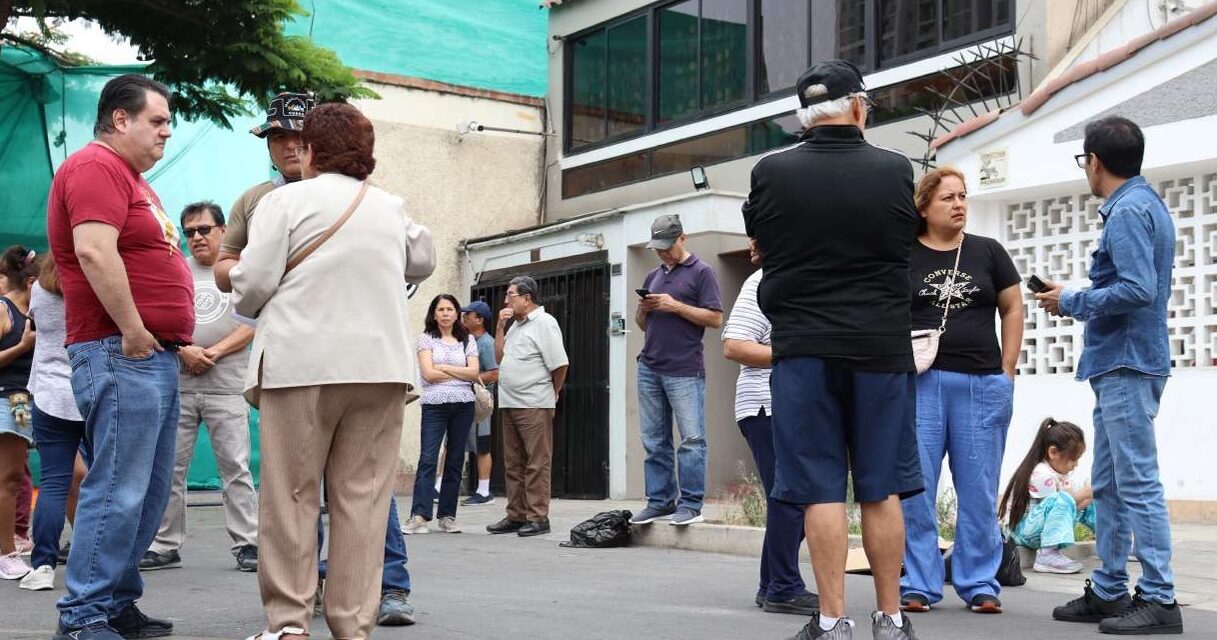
<point x="132" y="623"/>
<point x="534" y="529"/>
<point x="914" y="603"/>
<point x="760" y="599"/>
<point x="985" y="603"/>
<point x="153" y="561"/>
<point x="804" y="604"/>
<point x="1143" y="618"/>
<point x="1090" y="607"/>
<point x="395" y="609"/>
<point x="476" y="500"/>
<point x="247" y="558"/>
<point x="63" y="552"/>
<point x="95" y="631"/>
<point x="506" y="525"/>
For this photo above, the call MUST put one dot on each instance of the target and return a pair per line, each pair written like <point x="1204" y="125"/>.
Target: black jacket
<point x="835" y="222"/>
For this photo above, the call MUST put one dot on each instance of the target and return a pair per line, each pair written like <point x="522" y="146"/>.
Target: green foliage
<point x="218" y="56"/>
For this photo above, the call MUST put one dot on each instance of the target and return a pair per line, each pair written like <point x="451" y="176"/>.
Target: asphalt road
<point x="475" y="586"/>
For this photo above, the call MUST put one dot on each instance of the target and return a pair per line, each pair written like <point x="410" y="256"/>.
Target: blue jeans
<point x="964" y="416"/>
<point x="130" y="409"/>
<point x="58" y="442"/>
<point x="1128" y="494"/>
<point x="395" y="575"/>
<point x="452" y="419"/>
<point x="660" y="398"/>
<point x="780" y="577"/>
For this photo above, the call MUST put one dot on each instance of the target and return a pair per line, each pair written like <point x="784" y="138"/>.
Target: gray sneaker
<point x="651" y="514"/>
<point x="684" y="516"/>
<point x="395" y="609"/>
<point x="882" y="628"/>
<point x="844" y="630"/>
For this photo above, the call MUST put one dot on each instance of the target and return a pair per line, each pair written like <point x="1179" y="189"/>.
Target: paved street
<point x="472" y="585"/>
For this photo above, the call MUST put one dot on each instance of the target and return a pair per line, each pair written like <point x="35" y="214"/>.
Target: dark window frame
<point x="752" y="51"/>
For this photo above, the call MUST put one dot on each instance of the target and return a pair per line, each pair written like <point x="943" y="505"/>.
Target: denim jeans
<point x="660" y="398"/>
<point x="1128" y="493"/>
<point x="780" y="577"/>
<point x="58" y="442"/>
<point x="395" y="575"/>
<point x="130" y="409"/>
<point x="964" y="416"/>
<point x="452" y="419"/>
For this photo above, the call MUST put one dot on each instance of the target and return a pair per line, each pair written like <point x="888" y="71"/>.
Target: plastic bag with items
<point x="603" y="530"/>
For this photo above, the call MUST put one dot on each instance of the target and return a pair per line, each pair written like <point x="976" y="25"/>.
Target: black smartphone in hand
<point x="642" y="293"/>
<point x="1036" y="285"/>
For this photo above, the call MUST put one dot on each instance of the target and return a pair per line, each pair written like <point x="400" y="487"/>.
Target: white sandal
<point x="267" y="635"/>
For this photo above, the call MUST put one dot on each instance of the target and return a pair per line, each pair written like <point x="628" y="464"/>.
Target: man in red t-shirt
<point x="129" y="298"/>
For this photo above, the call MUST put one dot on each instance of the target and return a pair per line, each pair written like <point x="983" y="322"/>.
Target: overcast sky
<point x="87" y="38"/>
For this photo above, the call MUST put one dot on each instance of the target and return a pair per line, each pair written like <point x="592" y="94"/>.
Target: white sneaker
<point x="12" y="567"/>
<point x="40" y="579"/>
<point x="416" y="524"/>
<point x="1053" y="561"/>
<point x="448" y="525"/>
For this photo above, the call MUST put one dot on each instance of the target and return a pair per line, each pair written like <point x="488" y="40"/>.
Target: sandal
<point x="267" y="635"/>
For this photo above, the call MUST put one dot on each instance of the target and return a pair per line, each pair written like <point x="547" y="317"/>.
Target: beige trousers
<point x="348" y="433"/>
<point x="227" y="420"/>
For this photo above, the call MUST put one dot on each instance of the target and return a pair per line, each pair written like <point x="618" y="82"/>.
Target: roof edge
<point x="423" y="84"/>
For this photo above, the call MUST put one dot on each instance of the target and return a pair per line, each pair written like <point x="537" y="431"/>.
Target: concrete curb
<point x="747" y="541"/>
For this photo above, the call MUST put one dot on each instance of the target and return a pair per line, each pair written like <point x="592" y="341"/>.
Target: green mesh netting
<point x="490" y="44"/>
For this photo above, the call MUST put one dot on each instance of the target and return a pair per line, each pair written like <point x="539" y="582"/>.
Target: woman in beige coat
<point x="331" y="369"/>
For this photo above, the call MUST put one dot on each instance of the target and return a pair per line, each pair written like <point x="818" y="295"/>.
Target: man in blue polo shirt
<point x="681" y="300"/>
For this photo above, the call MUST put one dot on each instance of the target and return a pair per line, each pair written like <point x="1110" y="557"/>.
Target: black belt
<point x="173" y="345"/>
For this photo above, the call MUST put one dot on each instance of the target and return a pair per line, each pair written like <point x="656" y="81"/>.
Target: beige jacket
<point x="340" y="316"/>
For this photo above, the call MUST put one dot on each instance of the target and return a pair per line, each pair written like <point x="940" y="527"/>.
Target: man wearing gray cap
<point x="532" y="370"/>
<point x="680" y="299"/>
<point x="834" y="221"/>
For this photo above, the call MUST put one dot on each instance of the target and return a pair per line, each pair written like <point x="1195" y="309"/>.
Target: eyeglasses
<point x="203" y="230"/>
<point x="1082" y="159"/>
<point x="867" y="101"/>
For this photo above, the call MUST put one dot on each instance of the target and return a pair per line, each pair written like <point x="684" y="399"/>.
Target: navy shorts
<point x="829" y="420"/>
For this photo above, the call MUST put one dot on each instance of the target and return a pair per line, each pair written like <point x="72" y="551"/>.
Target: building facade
<point x="645" y="96"/>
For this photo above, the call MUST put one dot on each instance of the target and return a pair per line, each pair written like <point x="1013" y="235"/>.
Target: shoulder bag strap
<point x="295" y="260"/>
<point x="951" y="286"/>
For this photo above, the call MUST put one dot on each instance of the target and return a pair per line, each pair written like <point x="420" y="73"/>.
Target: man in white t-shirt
<point x="212" y="379"/>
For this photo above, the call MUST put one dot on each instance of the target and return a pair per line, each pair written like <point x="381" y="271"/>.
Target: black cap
<point x="286" y="111"/>
<point x="828" y="80"/>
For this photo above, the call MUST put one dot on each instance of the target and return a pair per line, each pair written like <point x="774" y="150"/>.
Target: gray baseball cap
<point x="665" y="231"/>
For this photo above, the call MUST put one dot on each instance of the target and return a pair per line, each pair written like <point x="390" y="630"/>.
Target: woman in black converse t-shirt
<point x="965" y="400"/>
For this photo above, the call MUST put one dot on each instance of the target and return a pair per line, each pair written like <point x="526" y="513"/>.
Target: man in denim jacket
<point x="1126" y="358"/>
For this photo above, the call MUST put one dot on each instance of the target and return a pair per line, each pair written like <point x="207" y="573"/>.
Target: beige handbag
<point x="483" y="404"/>
<point x="925" y="341"/>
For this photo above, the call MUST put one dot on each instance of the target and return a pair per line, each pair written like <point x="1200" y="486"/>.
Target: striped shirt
<point x="749" y="324"/>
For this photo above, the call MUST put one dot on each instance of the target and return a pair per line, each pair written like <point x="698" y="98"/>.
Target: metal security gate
<point x="577" y="297"/>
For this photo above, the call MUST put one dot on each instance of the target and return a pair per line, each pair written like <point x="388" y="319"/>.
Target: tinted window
<point x="627" y="77"/>
<point x="587" y="98"/>
<point x="782" y="31"/>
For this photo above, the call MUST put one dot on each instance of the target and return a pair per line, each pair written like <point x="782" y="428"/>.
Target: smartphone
<point x="1036" y="285"/>
<point x="642" y="293"/>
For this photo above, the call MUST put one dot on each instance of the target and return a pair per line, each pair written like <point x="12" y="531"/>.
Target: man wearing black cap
<point x="680" y="299"/>
<point x="284" y="121"/>
<point x="834" y="221"/>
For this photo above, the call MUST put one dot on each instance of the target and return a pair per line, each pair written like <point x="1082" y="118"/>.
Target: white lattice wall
<point x="1053" y="238"/>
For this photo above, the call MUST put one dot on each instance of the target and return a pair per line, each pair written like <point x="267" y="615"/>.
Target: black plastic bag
<point x="605" y="529"/>
<point x="1009" y="572"/>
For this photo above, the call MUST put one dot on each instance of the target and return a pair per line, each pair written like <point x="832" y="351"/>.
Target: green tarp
<point x="488" y="44"/>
